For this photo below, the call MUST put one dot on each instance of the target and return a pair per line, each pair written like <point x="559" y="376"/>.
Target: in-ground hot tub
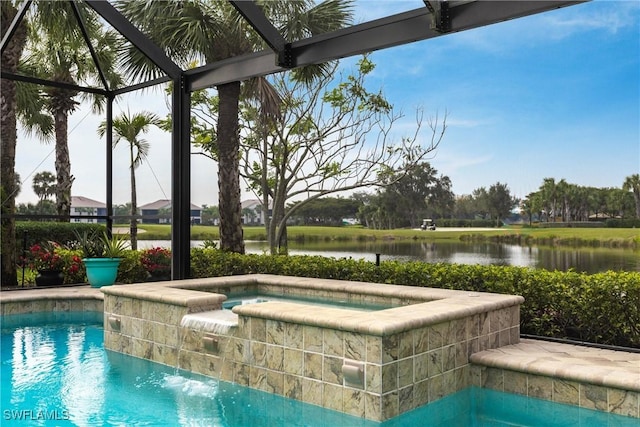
<point x="412" y="349"/>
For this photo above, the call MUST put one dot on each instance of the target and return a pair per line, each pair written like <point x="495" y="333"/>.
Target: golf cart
<point x="428" y="224"/>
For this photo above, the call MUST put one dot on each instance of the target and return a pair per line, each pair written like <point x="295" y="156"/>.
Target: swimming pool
<point x="55" y="371"/>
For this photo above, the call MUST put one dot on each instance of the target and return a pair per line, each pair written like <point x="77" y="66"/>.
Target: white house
<point x="160" y="212"/>
<point x="253" y="213"/>
<point x="85" y="206"/>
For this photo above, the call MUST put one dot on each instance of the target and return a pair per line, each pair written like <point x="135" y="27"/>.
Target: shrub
<point x="29" y="233"/>
<point x="156" y="260"/>
<point x="131" y="269"/>
<point x="44" y="256"/>
<point x="74" y="271"/>
<point x="599" y="308"/>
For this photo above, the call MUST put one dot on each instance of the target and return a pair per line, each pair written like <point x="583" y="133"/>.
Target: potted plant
<point x="101" y="256"/>
<point x="157" y="262"/>
<point x="42" y="257"/>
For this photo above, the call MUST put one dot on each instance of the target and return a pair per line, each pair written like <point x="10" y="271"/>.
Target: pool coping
<point x="598" y="366"/>
<point x="587" y="377"/>
<point x="51" y="293"/>
<point x="437" y="306"/>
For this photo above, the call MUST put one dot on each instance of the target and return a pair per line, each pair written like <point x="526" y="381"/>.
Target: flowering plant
<point x="44" y="257"/>
<point x="74" y="270"/>
<point x="156" y="260"/>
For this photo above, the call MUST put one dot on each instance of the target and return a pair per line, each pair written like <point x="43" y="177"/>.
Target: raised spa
<point x="234" y="299"/>
<point x="410" y="347"/>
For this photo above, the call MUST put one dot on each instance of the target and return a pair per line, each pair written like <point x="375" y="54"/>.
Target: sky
<point x="554" y="95"/>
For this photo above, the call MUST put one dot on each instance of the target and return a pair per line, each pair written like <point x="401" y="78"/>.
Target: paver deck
<point x="592" y="365"/>
<point x="585" y="376"/>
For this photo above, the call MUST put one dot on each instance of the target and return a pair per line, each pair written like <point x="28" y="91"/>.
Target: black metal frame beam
<point x="14" y="24"/>
<point x="181" y="187"/>
<point x="136" y="37"/>
<point x="265" y="29"/>
<point x="109" y="162"/>
<point x="51" y="83"/>
<point x="440" y="16"/>
<point x="85" y="36"/>
<point x="379" y="34"/>
<point x="144" y="85"/>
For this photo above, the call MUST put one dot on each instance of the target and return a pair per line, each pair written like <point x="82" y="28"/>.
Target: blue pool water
<point x="234" y="299"/>
<point x="55" y="372"/>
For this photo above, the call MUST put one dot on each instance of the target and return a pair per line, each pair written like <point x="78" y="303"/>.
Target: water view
<point x="589" y="260"/>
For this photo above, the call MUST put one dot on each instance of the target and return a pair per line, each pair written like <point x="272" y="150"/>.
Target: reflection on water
<point x="590" y="260"/>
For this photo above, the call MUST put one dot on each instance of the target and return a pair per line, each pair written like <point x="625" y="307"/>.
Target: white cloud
<point x="606" y="16"/>
<point x="449" y="162"/>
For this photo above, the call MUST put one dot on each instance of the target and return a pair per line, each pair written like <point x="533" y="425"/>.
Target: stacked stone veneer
<point x="410" y="355"/>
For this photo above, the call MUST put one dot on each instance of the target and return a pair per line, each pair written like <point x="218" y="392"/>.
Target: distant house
<point x="159" y="212"/>
<point x="85" y="206"/>
<point x="253" y="213"/>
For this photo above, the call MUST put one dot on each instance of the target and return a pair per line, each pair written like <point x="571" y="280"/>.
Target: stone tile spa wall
<point x="42" y="300"/>
<point x="371" y="364"/>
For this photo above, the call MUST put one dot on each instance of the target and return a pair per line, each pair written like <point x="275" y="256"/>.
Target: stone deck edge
<point x="606" y="376"/>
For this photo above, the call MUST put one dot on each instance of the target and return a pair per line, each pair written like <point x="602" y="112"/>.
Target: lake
<point x="589" y="260"/>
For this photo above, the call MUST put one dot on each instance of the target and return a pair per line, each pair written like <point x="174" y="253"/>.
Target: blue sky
<point x="551" y="95"/>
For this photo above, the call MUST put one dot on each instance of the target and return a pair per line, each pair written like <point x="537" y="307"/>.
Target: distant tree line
<point x="562" y="201"/>
<point x="423" y="193"/>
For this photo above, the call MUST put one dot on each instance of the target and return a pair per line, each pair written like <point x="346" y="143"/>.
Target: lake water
<point x="590" y="260"/>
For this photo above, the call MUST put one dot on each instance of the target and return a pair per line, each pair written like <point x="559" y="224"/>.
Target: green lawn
<point x="616" y="237"/>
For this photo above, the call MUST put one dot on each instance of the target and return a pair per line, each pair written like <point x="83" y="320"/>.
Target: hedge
<point x="31" y="232"/>
<point x="599" y="308"/>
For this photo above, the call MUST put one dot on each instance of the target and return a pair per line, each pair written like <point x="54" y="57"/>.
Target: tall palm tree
<point x="212" y="30"/>
<point x="129" y="127"/>
<point x="632" y="183"/>
<point x="57" y="51"/>
<point x="549" y="191"/>
<point x="8" y="137"/>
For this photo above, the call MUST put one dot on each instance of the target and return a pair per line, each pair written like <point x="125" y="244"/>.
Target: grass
<point x="609" y="237"/>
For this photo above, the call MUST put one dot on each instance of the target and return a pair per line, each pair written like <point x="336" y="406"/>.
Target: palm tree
<point x="43" y="185"/>
<point x="632" y="183"/>
<point x="129" y="127"/>
<point x="57" y="51"/>
<point x="8" y="124"/>
<point x="213" y="30"/>
<point x="549" y="191"/>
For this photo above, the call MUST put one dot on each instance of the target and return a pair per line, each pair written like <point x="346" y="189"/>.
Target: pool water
<point x="253" y="298"/>
<point x="55" y="372"/>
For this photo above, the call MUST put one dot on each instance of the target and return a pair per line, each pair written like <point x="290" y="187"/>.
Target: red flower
<point x="156" y="260"/>
<point x="44" y="257"/>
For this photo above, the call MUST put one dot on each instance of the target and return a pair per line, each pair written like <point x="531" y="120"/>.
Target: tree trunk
<point x="281" y="233"/>
<point x="231" y="233"/>
<point x="7" y="178"/>
<point x="133" y="224"/>
<point x="63" y="167"/>
<point x="8" y="107"/>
